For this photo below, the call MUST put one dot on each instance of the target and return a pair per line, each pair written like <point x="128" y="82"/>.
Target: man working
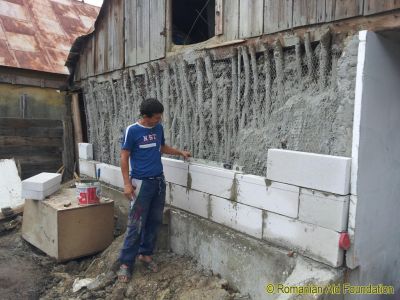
<point x="143" y="144"/>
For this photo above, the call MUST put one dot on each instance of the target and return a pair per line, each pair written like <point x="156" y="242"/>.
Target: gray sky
<point x="94" y="2"/>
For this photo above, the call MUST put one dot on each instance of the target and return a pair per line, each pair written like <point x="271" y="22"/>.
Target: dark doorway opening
<point x="193" y="21"/>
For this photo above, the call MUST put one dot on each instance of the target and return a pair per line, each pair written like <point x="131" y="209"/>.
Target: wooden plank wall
<point x="377" y="6"/>
<point x="143" y="30"/>
<point x="130" y="32"/>
<point x="231" y="20"/>
<point x="37" y="144"/>
<point x="277" y="15"/>
<point x="104" y="50"/>
<point x="250" y="18"/>
<point x="157" y="29"/>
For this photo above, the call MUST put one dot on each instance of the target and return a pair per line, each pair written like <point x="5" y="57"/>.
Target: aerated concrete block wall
<point x="301" y="204"/>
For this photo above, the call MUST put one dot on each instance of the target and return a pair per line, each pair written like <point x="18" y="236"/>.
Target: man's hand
<point x="172" y="151"/>
<point x="129" y="191"/>
<point x="186" y="154"/>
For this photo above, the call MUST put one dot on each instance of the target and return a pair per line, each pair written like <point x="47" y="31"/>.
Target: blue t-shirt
<point x="144" y="144"/>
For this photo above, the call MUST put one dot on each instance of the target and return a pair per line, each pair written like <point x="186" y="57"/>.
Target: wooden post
<point x="76" y="120"/>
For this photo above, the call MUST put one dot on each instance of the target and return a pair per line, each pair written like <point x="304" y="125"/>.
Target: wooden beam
<point x="76" y="120"/>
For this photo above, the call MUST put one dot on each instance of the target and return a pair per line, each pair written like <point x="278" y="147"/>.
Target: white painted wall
<point x="375" y="208"/>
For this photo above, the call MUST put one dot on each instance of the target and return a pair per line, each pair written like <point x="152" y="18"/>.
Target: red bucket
<point x="88" y="192"/>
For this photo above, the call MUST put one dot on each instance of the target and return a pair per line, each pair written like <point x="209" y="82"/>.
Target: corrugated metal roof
<point x="38" y="34"/>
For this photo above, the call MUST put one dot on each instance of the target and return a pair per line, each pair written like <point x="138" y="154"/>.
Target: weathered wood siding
<point x="250" y="18"/>
<point x="231" y="20"/>
<point x="104" y="50"/>
<point x="377" y="6"/>
<point x="37" y="144"/>
<point x="157" y="29"/>
<point x="132" y="32"/>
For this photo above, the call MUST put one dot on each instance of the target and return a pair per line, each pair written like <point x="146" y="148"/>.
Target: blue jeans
<point x="144" y="220"/>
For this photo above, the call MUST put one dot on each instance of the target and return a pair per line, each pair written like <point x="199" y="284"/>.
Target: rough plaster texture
<point x="234" y="110"/>
<point x="375" y="210"/>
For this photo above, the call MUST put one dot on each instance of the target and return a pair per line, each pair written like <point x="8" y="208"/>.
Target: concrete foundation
<point x="249" y="265"/>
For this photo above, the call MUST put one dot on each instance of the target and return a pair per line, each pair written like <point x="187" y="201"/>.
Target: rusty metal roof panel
<point x="38" y="34"/>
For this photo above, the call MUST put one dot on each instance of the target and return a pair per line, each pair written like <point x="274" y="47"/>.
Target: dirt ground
<point x="27" y="273"/>
<point x="24" y="271"/>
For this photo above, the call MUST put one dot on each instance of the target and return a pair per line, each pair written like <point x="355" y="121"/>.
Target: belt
<point x="159" y="177"/>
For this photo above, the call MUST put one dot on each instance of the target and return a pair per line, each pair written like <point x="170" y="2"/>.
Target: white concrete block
<point x="323" y="209"/>
<point x="175" y="171"/>
<point x="87" y="167"/>
<point x="85" y="151"/>
<point x="199" y="203"/>
<point x="40" y="195"/>
<point x="316" y="171"/>
<point x="211" y="180"/>
<point x="311" y="240"/>
<point x="191" y="201"/>
<point x="111" y="175"/>
<point x="178" y="196"/>
<point x="41" y="182"/>
<point x="237" y="216"/>
<point x="273" y="196"/>
<point x="352" y="255"/>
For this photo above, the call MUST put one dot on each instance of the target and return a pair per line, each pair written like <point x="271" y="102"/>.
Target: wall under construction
<point x="233" y="110"/>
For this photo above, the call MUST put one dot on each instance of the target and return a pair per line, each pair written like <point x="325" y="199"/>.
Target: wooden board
<point x="321" y="11"/>
<point x="116" y="35"/>
<point x="41" y="150"/>
<point x="16" y="211"/>
<point x="37" y="145"/>
<point x="33" y="131"/>
<point x="39" y="227"/>
<point x="29" y="123"/>
<point x="22" y="141"/>
<point x="342" y="9"/>
<point x="277" y="15"/>
<point x="231" y="20"/>
<point x="219" y="17"/>
<point x="130" y="33"/>
<point x="89" y="58"/>
<point x="157" y="29"/>
<point x="377" y="6"/>
<point x="251" y="18"/>
<point x="84" y="231"/>
<point x="100" y="48"/>
<point x="143" y="31"/>
<point x="305" y="12"/>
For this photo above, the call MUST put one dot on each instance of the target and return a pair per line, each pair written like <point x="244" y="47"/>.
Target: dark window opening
<point x="193" y="21"/>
